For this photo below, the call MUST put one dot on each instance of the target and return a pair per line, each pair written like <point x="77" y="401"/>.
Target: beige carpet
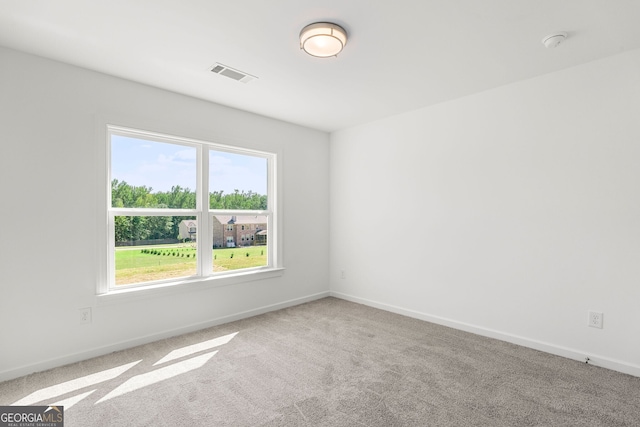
<point x="332" y="363"/>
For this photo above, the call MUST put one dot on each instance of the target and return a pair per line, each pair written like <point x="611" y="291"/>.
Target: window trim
<point x="203" y="213"/>
<point x="187" y="285"/>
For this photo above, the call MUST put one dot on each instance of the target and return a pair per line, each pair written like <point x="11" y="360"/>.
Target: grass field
<point x="135" y="264"/>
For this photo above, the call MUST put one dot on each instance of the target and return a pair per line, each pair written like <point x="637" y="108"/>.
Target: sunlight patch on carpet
<point x="196" y="348"/>
<point x="73" y="385"/>
<point x="144" y="380"/>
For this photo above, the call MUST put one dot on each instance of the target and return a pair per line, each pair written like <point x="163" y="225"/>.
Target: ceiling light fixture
<point x="323" y="39"/>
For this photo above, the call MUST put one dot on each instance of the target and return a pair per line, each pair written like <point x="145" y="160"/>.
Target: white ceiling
<point x="401" y="54"/>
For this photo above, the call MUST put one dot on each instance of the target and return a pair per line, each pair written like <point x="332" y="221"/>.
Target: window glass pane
<point x="149" y="174"/>
<point x="237" y="181"/>
<point x="149" y="248"/>
<point x="235" y="248"/>
<point x="160" y="174"/>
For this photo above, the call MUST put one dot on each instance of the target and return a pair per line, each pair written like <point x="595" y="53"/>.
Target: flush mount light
<point x="323" y="39"/>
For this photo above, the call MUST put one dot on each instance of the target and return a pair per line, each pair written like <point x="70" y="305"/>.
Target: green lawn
<point x="136" y="264"/>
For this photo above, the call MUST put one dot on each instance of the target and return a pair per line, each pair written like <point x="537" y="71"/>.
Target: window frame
<point x="204" y="275"/>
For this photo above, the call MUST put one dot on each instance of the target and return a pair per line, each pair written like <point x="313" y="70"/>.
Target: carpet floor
<point x="331" y="363"/>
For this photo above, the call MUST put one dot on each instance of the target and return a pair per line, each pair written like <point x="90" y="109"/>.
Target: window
<point x="165" y="191"/>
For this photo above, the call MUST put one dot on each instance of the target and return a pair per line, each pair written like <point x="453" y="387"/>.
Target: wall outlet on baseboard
<point x="343" y="274"/>
<point x="85" y="315"/>
<point x="595" y="319"/>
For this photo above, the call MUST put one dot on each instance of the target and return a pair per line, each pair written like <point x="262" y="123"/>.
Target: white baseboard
<point x="99" y="351"/>
<point x="569" y="353"/>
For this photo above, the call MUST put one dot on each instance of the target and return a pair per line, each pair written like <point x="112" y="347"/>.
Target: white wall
<point x="48" y="161"/>
<point x="510" y="213"/>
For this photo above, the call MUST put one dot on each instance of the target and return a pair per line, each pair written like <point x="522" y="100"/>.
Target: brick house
<point x="230" y="231"/>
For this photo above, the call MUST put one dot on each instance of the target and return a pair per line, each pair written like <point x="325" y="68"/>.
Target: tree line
<point x="129" y="228"/>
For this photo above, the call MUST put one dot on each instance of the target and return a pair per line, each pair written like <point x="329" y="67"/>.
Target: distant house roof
<point x="231" y="219"/>
<point x="241" y="219"/>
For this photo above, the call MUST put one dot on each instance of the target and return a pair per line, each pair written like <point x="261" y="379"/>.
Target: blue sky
<point x="161" y="166"/>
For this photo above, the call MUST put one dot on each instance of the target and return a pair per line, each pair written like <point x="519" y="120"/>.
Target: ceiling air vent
<point x="232" y="73"/>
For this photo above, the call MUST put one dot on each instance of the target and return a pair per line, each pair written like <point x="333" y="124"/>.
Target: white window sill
<point x="182" y="286"/>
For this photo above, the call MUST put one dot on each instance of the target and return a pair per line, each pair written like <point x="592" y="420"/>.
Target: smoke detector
<point x="232" y="73"/>
<point x="553" y="40"/>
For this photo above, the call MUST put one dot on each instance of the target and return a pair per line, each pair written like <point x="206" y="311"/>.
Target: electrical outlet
<point x="343" y="274"/>
<point x="85" y="315"/>
<point x="595" y="319"/>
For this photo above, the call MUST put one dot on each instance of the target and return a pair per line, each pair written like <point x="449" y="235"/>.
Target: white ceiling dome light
<point x="323" y="39"/>
<point x="553" y="40"/>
